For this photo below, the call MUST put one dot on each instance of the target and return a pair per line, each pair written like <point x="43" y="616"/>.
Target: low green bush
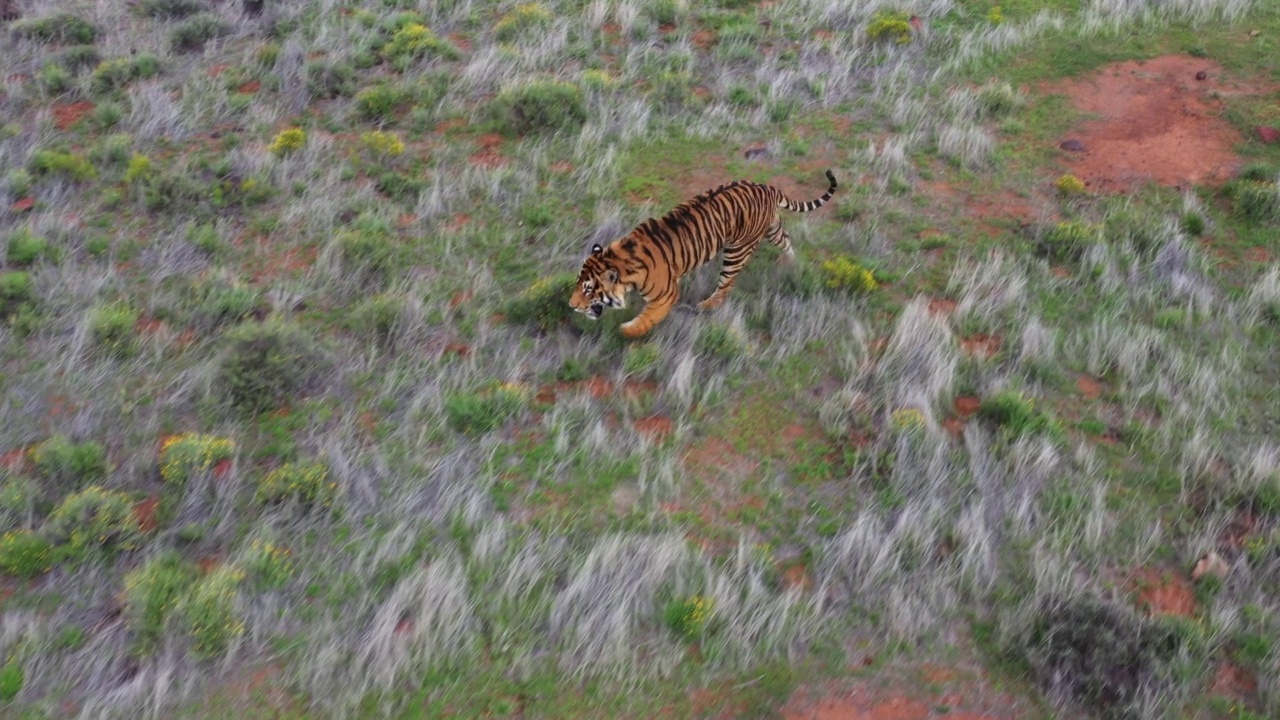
<point x="61" y="460"/>
<point x="78" y="57"/>
<point x="67" y="165"/>
<point x="480" y="411"/>
<point x="267" y="566"/>
<point x="169" y="9"/>
<point x="16" y="291"/>
<point x="151" y="593"/>
<point x="94" y="518"/>
<point x="380" y="102"/>
<point x="720" y="341"/>
<point x="330" y="79"/>
<point x="112" y="329"/>
<point x="1069" y="240"/>
<point x="266" y="365"/>
<point x="545" y="304"/>
<point x="540" y="106"/>
<point x="208" y="610"/>
<point x="192" y="33"/>
<point x="60" y="28"/>
<point x="1256" y="200"/>
<point x="886" y="25"/>
<point x="185" y="456"/>
<point x="25" y="248"/>
<point x="688" y="618"/>
<point x="25" y="554"/>
<point x="522" y="19"/>
<point x="414" y="41"/>
<point x="1016" y="414"/>
<point x="12" y="678"/>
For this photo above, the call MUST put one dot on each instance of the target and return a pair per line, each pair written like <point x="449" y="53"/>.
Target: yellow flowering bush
<point x="185" y="456"/>
<point x="209" y="610"/>
<point x="886" y="25"/>
<point x="382" y="144"/>
<point x="288" y="142"/>
<point x="598" y="79"/>
<point x="415" y="40"/>
<point x="996" y="15"/>
<point x="95" y="518"/>
<point x="24" y="554"/>
<point x="842" y="273"/>
<point x="526" y="16"/>
<point x="303" y="483"/>
<point x="1069" y="185"/>
<point x="688" y="618"/>
<point x="268" y="564"/>
<point x="906" y="420"/>
<point x="140" y="168"/>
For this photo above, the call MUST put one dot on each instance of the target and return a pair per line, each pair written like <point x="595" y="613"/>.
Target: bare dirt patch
<point x="145" y="511"/>
<point x="1155" y="122"/>
<point x="929" y="691"/>
<point x="656" y="427"/>
<point x="68" y="114"/>
<point x="981" y="345"/>
<point x="1164" y="592"/>
<point x="1089" y="388"/>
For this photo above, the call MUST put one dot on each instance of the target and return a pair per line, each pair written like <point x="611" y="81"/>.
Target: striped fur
<point x="652" y="258"/>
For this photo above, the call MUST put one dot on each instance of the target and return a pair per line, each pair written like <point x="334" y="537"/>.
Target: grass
<point x="296" y="389"/>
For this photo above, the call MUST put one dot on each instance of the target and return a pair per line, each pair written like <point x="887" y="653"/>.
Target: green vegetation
<point x="539" y="106"/>
<point x="152" y="592"/>
<point x="94" y="518"/>
<point x="266" y="365"/>
<point x="25" y="554"/>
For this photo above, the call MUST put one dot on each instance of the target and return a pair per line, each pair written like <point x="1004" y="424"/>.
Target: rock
<point x="1202" y="75"/>
<point x="253" y="8"/>
<point x="1072" y="145"/>
<point x="1267" y="134"/>
<point x="1211" y="564"/>
<point x="753" y="153"/>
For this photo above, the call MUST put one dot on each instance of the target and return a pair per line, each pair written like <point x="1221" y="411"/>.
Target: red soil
<point x="1258" y="255"/>
<point x="981" y="345"/>
<point x="1089" y="388"/>
<point x="250" y="87"/>
<point x="144" y="512"/>
<point x="1164" y="592"/>
<point x="942" y="306"/>
<point x="1156" y="122"/>
<point x="656" y="427"/>
<point x="930" y="691"/>
<point x="67" y="114"/>
<point x="967" y="405"/>
<point x="22" y="205"/>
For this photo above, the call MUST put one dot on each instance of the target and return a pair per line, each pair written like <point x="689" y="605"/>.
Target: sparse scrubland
<point x="297" y="420"/>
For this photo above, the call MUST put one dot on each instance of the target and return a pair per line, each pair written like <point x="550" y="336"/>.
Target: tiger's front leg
<point x="735" y="258"/>
<point x="655" y="310"/>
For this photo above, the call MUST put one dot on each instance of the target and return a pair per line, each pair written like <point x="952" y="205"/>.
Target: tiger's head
<point x="598" y="286"/>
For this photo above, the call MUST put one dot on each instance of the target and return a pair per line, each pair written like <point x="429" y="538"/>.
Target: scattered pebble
<point x="1202" y="75"/>
<point x="1267" y="134"/>
<point x="756" y="152"/>
<point x="1072" y="145"/>
<point x="1211" y="564"/>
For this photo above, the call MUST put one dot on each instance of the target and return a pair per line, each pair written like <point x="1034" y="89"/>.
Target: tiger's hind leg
<point x="776" y="235"/>
<point x="735" y="258"/>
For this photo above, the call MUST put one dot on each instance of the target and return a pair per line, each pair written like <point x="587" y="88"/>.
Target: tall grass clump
<point x="63" y="28"/>
<point x="152" y="592"/>
<point x="59" y="459"/>
<point x="544" y="304"/>
<point x="168" y="9"/>
<point x="479" y="411"/>
<point x="209" y="610"/>
<point x="539" y="106"/>
<point x="112" y="329"/>
<point x="1256" y="195"/>
<point x="193" y="33"/>
<point x="523" y="18"/>
<point x="24" y="248"/>
<point x="25" y="554"/>
<point x="414" y="41"/>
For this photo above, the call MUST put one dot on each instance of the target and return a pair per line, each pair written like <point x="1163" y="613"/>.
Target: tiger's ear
<point x="596" y="249"/>
<point x="612" y="274"/>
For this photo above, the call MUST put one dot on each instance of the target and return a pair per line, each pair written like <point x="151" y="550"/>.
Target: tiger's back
<point x="652" y="258"/>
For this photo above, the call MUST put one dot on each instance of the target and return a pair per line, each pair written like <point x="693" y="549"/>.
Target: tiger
<point x="653" y="257"/>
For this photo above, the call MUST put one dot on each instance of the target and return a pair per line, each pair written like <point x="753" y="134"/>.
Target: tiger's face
<point x="598" y="286"/>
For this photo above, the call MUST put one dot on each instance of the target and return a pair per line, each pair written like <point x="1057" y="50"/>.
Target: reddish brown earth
<point x="967" y="405"/>
<point x="144" y="512"/>
<point x="982" y="345"/>
<point x="147" y="325"/>
<point x="221" y="468"/>
<point x="1163" y="592"/>
<point x="1089" y="388"/>
<point x="22" y="205"/>
<point x="1231" y="680"/>
<point x="942" y="306"/>
<point x="67" y="114"/>
<point x="656" y="427"/>
<point x="1258" y="255"/>
<point x="1155" y="122"/>
<point x="250" y="87"/>
<point x="929" y="691"/>
<point x="14" y="460"/>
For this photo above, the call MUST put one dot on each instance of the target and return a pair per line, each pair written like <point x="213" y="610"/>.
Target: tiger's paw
<point x="631" y="330"/>
<point x="787" y="258"/>
<point x="710" y="303"/>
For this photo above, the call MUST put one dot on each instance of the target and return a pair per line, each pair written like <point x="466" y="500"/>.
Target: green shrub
<point x="188" y="455"/>
<point x="192" y="34"/>
<point x="112" y="329"/>
<point x="720" y="341"/>
<point x="327" y="79"/>
<point x="541" y="106"/>
<point x="664" y="12"/>
<point x="1016" y="414"/>
<point x="168" y="9"/>
<point x="12" y="679"/>
<point x="415" y="40"/>
<point x="25" y="554"/>
<point x="60" y="28"/>
<point x="221" y="302"/>
<point x="112" y="150"/>
<point x="266" y="365"/>
<point x="1070" y="239"/>
<point x="95" y="518"/>
<point x="380" y="102"/>
<point x="371" y="253"/>
<point x="1102" y="656"/>
<point x="1069" y="184"/>
<point x="25" y="247"/>
<point x="19" y="182"/>
<point x="209" y="612"/>
<point x="483" y="410"/>
<point x="116" y="74"/>
<point x="140" y="168"/>
<point x="60" y="459"/>
<point x="382" y="145"/>
<point x="1193" y="223"/>
<point x="842" y="273"/>
<point x="306" y="484"/>
<point x="376" y="317"/>
<point x="79" y="57"/>
<point x="17" y="494"/>
<point x="267" y="565"/>
<point x="152" y="591"/>
<point x="545" y="304"/>
<point x="1256" y="200"/>
<point x="67" y="165"/>
<point x="16" y="290"/>
<point x="641" y="358"/>
<point x="688" y="618"/>
<point x="886" y="25"/>
<point x="523" y="18"/>
<point x="997" y="99"/>
<point x="54" y="79"/>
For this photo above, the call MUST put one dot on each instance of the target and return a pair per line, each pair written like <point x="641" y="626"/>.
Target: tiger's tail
<point x="812" y="204"/>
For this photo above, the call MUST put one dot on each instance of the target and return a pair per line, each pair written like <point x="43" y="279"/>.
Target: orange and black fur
<point x="652" y="258"/>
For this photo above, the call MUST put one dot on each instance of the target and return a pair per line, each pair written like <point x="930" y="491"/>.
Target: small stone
<point x="1072" y="145"/>
<point x="756" y="152"/>
<point x="1211" y="564"/>
<point x="1202" y="75"/>
<point x="1267" y="134"/>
